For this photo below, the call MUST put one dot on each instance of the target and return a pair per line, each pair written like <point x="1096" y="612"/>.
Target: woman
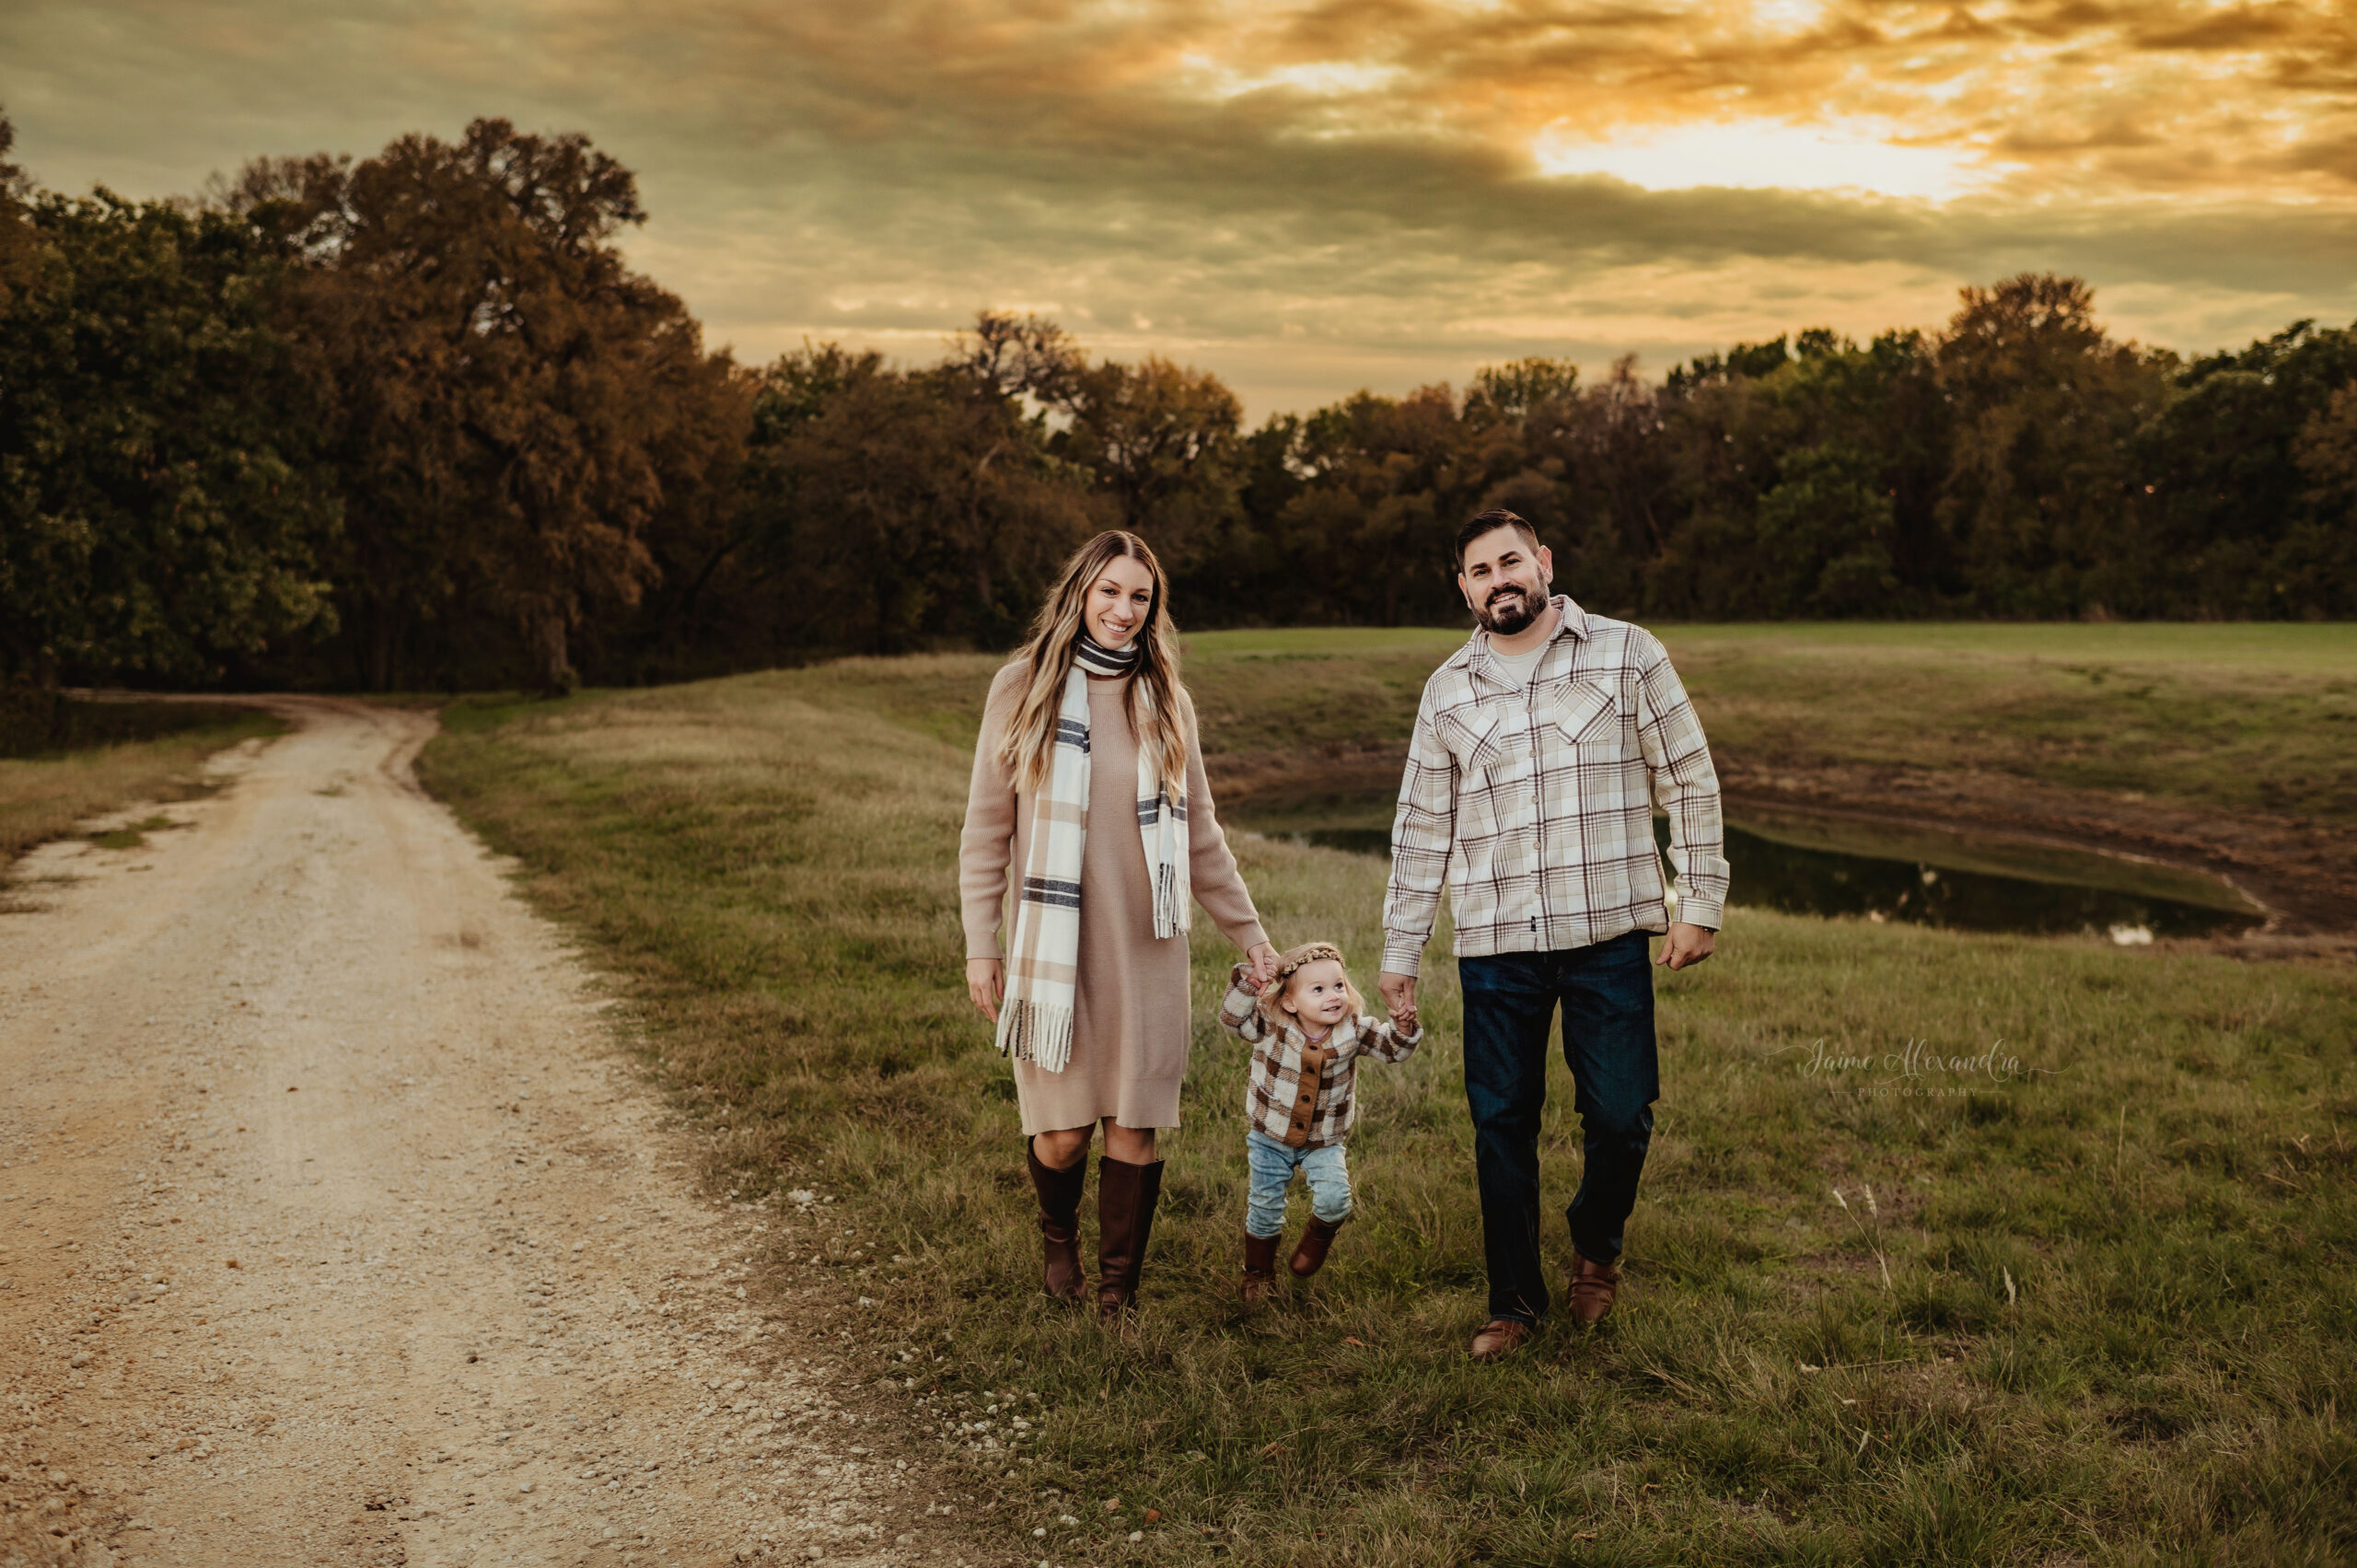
<point x="1088" y="780"/>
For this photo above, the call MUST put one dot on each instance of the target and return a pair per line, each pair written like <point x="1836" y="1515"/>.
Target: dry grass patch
<point x="43" y="798"/>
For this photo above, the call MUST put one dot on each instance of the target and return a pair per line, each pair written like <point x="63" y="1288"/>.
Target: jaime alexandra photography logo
<point x="1915" y="1068"/>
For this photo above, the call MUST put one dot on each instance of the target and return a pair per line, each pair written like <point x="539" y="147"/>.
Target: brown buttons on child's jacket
<point x="1304" y="1099"/>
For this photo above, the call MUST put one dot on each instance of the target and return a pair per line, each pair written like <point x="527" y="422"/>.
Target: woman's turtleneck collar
<point x="1098" y="659"/>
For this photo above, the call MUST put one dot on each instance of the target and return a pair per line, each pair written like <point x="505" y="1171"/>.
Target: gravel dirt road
<point x="337" y="1224"/>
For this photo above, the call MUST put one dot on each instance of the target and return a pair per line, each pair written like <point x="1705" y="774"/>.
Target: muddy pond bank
<point x="2251" y="877"/>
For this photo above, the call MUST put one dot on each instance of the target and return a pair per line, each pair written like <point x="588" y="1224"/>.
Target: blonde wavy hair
<point x="1273" y="995"/>
<point x="1047" y="659"/>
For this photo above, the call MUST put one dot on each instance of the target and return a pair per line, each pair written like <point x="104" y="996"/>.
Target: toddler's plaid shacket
<point x="1534" y="803"/>
<point x="1301" y="1094"/>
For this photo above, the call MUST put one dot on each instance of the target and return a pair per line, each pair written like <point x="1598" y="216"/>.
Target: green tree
<point x="1365" y="539"/>
<point x="895" y="509"/>
<point x="2046" y="408"/>
<point x="2328" y="452"/>
<point x="2230" y="518"/>
<point x="20" y="245"/>
<point x="1880" y="415"/>
<point x="1162" y="441"/>
<point x="1520" y="385"/>
<point x="507" y="384"/>
<point x="691" y="619"/>
<point x="1824" y="533"/>
<point x="1618" y="490"/>
<point x="163" y="511"/>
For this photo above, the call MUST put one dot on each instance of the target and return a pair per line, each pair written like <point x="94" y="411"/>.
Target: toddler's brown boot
<point x="1260" y="1269"/>
<point x="1316" y="1237"/>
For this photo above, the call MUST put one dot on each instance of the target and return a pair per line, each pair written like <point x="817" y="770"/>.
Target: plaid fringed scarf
<point x="1035" y="1023"/>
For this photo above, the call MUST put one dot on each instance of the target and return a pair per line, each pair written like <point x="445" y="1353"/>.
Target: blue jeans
<point x="1328" y="1170"/>
<point x="1607" y="995"/>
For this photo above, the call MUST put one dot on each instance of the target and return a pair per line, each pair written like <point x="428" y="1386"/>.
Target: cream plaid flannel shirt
<point x="1535" y="803"/>
<point x="1285" y="1100"/>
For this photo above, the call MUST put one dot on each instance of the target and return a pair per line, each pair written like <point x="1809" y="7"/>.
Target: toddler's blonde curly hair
<point x="1291" y="963"/>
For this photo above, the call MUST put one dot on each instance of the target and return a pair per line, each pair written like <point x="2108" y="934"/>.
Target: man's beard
<point x="1505" y="617"/>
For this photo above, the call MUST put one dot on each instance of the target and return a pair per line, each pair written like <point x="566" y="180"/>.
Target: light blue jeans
<point x="1327" y="1170"/>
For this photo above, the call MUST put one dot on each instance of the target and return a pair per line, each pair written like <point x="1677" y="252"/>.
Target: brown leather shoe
<point x="1500" y="1338"/>
<point x="1059" y="1193"/>
<point x="1126" y="1196"/>
<point x="1260" y="1269"/>
<point x="1317" y="1237"/>
<point x="1591" y="1287"/>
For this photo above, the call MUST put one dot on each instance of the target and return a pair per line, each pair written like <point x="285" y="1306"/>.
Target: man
<point x="1539" y="747"/>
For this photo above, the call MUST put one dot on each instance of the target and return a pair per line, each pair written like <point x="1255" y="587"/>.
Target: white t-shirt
<point x="1517" y="668"/>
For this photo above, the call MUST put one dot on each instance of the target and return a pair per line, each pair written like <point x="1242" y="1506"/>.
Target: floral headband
<point x="1309" y="954"/>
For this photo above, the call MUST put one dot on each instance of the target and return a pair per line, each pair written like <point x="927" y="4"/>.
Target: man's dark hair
<point x="1479" y="523"/>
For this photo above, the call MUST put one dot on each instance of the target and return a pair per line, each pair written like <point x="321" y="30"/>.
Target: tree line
<point x="411" y="422"/>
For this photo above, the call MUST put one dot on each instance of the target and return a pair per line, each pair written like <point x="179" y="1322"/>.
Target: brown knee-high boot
<point x="1126" y="1194"/>
<point x="1058" y="1194"/>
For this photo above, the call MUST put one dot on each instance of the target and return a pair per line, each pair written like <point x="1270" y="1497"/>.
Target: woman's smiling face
<point x="1118" y="602"/>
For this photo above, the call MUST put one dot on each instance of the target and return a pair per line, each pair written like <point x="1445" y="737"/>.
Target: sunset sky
<point x="1309" y="199"/>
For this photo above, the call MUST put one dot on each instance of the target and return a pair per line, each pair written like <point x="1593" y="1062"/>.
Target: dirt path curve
<point x="335" y="1228"/>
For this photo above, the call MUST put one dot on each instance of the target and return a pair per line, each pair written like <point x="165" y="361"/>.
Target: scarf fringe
<point x="1036" y="1032"/>
<point x="1171" y="898"/>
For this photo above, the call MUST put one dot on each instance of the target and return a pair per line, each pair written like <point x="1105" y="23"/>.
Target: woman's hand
<point x="986" y="983"/>
<point x="1264" y="960"/>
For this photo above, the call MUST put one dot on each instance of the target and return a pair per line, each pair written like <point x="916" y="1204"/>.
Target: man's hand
<point x="1398" y="997"/>
<point x="986" y="983"/>
<point x="1686" y="945"/>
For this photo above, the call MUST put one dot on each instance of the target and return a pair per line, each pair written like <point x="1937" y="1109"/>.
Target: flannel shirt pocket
<point x="1587" y="713"/>
<point x="1471" y="736"/>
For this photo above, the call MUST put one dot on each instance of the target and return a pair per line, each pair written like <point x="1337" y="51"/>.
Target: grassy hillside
<point x="2222" y="716"/>
<point x="2087" y="1292"/>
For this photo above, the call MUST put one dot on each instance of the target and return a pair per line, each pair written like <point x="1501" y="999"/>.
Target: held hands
<point x="986" y="983"/>
<point x="1686" y="946"/>
<point x="1398" y="998"/>
<point x="1261" y="961"/>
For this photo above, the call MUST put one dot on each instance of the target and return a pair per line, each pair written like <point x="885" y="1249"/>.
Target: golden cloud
<point x="1386" y="188"/>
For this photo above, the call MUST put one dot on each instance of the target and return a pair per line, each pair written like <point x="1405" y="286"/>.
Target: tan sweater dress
<point x="1130" y="1025"/>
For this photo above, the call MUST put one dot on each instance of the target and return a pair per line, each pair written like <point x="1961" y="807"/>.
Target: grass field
<point x="2222" y="716"/>
<point x="2100" y="1306"/>
<point x="42" y="797"/>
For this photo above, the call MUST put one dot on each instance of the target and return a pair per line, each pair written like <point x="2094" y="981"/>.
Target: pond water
<point x="1926" y="877"/>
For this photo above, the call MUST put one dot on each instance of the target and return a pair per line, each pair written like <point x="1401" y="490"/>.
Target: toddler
<point x="1308" y="1027"/>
